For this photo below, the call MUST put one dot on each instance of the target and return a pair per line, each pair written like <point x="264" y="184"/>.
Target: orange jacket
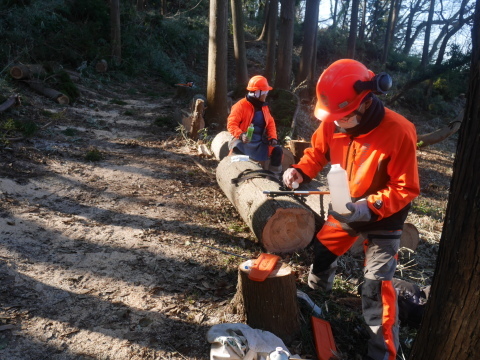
<point x="241" y="116"/>
<point x="381" y="165"/>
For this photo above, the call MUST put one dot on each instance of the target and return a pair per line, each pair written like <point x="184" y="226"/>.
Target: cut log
<point x="101" y="66"/>
<point x="220" y="150"/>
<point x="50" y="93"/>
<point x="269" y="305"/>
<point x="220" y="145"/>
<point x="20" y="71"/>
<point x="73" y="75"/>
<point x="297" y="147"/>
<point x="410" y="239"/>
<point x="281" y="224"/>
<point x="12" y="100"/>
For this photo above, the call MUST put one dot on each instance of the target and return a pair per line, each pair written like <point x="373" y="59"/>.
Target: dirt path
<point x="106" y="259"/>
<point x="99" y="260"/>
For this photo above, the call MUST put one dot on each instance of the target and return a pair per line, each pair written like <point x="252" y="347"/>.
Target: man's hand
<point x="273" y="142"/>
<point x="359" y="212"/>
<point x="290" y="176"/>
<point x="244" y="138"/>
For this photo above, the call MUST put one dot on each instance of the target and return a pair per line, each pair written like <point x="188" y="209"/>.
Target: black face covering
<point x="370" y="118"/>
<point x="257" y="104"/>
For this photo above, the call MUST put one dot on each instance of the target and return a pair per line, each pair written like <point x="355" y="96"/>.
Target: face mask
<point x="347" y="123"/>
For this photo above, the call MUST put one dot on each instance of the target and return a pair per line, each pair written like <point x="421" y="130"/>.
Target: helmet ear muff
<point x="379" y="84"/>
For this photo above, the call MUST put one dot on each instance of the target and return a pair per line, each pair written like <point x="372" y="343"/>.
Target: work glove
<point x="244" y="138"/>
<point x="272" y="142"/>
<point x="359" y="212"/>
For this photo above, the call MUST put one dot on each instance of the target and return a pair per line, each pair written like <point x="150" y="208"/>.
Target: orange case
<point x="263" y="266"/>
<point x="324" y="342"/>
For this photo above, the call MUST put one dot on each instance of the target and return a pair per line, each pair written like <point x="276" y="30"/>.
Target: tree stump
<point x="195" y="122"/>
<point x="297" y="147"/>
<point x="409" y="239"/>
<point x="101" y="66"/>
<point x="269" y="305"/>
<point x="281" y="224"/>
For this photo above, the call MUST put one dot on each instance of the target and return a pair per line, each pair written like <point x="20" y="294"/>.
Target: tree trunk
<point x="163" y="7"/>
<point x="361" y="31"/>
<point x="285" y="45"/>
<point x="449" y="328"/>
<point x="271" y="41"/>
<point x="217" y="64"/>
<point x="386" y="44"/>
<point x="352" y="35"/>
<point x="428" y="29"/>
<point x="115" y="31"/>
<point x="310" y="28"/>
<point x="263" y="35"/>
<point x="281" y="224"/>
<point x="269" y="305"/>
<point x="239" y="44"/>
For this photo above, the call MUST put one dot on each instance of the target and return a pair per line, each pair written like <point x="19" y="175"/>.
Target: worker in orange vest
<point x="252" y="111"/>
<point x="377" y="148"/>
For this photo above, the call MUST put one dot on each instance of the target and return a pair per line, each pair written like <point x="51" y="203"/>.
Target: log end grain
<point x="288" y="230"/>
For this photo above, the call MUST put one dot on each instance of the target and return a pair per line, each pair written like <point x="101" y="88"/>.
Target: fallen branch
<point x="12" y="100"/>
<point x="440" y="134"/>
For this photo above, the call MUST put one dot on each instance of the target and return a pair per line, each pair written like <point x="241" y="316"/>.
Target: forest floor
<point x="107" y="259"/>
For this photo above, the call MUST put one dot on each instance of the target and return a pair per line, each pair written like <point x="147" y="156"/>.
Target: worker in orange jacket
<point x="254" y="110"/>
<point x="377" y="148"/>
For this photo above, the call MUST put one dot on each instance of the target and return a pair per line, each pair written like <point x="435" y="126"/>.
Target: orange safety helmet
<point x="337" y="93"/>
<point x="258" y="82"/>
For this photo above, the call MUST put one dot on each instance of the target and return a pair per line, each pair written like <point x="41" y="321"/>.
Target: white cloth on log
<point x="241" y="342"/>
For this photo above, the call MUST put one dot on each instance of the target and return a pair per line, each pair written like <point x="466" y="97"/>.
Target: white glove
<point x="290" y="176"/>
<point x="359" y="212"/>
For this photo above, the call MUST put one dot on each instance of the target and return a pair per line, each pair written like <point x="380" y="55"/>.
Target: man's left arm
<point x="403" y="185"/>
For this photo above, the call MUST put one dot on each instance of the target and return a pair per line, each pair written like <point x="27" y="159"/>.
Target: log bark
<point x="269" y="305"/>
<point x="21" y="71"/>
<point x="50" y="93"/>
<point x="220" y="145"/>
<point x="281" y="224"/>
<point x="220" y="150"/>
<point x="12" y="100"/>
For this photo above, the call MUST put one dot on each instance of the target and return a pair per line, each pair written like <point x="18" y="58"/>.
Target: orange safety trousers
<point x="379" y="298"/>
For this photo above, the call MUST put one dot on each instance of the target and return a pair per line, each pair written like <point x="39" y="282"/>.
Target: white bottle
<point x="339" y="190"/>
<point x="279" y="354"/>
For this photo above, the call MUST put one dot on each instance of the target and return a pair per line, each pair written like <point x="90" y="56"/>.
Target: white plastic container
<point x="279" y="354"/>
<point x="339" y="189"/>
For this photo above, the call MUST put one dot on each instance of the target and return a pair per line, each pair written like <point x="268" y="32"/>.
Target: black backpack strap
<point x="252" y="174"/>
